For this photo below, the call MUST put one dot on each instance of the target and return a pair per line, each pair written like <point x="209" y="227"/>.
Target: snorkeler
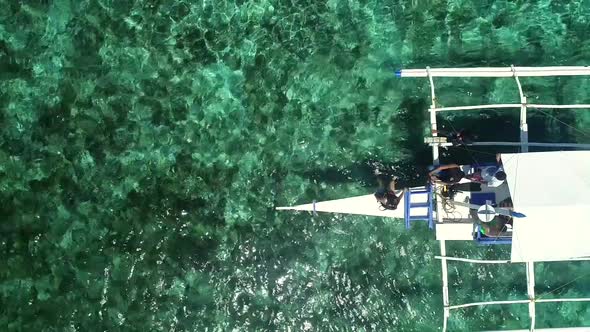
<point x="386" y="195"/>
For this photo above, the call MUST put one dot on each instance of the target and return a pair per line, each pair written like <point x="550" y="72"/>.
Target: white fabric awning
<point x="553" y="190"/>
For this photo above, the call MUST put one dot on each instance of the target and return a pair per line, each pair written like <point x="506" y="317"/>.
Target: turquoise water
<point x="145" y="144"/>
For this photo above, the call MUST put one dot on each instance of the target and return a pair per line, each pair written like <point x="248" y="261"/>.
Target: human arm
<point x="392" y="185"/>
<point x="399" y="198"/>
<point x="442" y="168"/>
<point x="498" y="158"/>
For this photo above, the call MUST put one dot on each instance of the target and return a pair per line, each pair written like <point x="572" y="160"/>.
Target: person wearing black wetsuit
<point x="447" y="174"/>
<point x="387" y="196"/>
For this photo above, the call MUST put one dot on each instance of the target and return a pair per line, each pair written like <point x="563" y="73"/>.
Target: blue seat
<point x="481" y="198"/>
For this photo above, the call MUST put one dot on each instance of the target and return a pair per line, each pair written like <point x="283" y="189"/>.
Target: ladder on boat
<point x="508" y="72"/>
<point x="418" y="200"/>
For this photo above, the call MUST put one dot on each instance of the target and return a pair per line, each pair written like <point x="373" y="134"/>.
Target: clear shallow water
<point x="144" y="145"/>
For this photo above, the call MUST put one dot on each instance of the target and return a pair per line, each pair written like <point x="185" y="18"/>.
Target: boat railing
<point x="498" y="106"/>
<point x="530" y="279"/>
<point x="496" y="71"/>
<point x="422" y="203"/>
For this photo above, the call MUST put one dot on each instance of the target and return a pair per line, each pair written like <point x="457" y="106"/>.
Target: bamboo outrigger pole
<point x="495" y="72"/>
<point x="443" y="249"/>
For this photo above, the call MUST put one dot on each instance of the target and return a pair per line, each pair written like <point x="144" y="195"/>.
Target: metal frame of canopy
<point x="514" y="72"/>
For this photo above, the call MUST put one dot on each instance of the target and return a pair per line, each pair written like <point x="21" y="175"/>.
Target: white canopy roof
<point x="553" y="190"/>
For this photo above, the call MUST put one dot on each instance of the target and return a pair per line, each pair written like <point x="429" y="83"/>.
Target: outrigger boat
<point x="547" y="194"/>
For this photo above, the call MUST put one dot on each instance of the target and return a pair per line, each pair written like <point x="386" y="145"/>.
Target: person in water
<point x="446" y="174"/>
<point x="386" y="195"/>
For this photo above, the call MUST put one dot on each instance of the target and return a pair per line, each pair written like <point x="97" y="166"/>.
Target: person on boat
<point x="499" y="175"/>
<point x="446" y="174"/>
<point x="493" y="176"/>
<point x="497" y="179"/>
<point x="386" y="195"/>
<point x="476" y="176"/>
<point x="501" y="224"/>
